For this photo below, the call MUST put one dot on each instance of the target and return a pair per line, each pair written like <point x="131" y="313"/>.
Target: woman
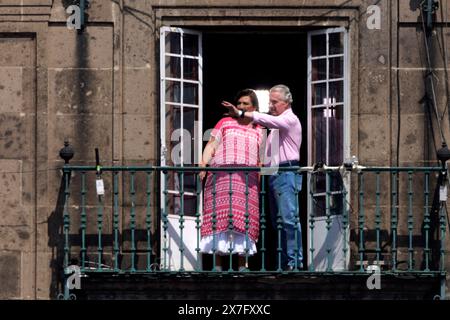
<point x="234" y="142"/>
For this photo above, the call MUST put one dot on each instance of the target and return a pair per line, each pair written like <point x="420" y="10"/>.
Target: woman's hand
<point x="232" y="110"/>
<point x="202" y="174"/>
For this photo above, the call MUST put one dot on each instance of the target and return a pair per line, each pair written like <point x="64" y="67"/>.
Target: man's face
<point x="277" y="105"/>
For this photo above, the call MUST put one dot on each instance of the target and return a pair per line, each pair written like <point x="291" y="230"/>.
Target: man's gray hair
<point x="285" y="90"/>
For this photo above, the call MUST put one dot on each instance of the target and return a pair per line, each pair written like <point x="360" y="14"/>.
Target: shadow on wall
<point x="55" y="237"/>
<point x="78" y="80"/>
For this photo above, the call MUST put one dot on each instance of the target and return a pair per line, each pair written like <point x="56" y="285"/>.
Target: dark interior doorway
<point x="259" y="60"/>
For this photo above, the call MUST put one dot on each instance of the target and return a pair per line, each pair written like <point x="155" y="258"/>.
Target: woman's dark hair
<point x="249" y="93"/>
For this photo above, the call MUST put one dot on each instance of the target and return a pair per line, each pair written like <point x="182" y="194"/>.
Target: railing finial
<point x="66" y="153"/>
<point x="443" y="154"/>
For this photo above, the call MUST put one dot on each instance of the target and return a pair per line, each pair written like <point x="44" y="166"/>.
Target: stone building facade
<point x="100" y="88"/>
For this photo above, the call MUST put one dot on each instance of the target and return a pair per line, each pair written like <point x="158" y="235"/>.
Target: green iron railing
<point x="389" y="217"/>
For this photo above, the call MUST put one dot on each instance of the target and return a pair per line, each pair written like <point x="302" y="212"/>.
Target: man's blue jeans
<point x="284" y="188"/>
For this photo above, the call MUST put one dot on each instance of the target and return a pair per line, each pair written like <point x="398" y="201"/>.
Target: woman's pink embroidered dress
<point x="238" y="146"/>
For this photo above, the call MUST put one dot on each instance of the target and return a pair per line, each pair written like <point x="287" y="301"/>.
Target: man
<point x="282" y="147"/>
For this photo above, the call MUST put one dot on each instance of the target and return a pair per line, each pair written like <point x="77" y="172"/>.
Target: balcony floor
<point x="298" y="286"/>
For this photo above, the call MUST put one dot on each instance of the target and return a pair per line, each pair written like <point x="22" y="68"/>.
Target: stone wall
<point x="99" y="89"/>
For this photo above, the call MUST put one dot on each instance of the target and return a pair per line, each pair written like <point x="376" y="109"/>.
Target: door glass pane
<point x="173" y="91"/>
<point x="173" y="122"/>
<point x="319" y="93"/>
<point x="318" y="45"/>
<point x="318" y="185"/>
<point x="173" y="67"/>
<point x="336" y="43"/>
<point x="337" y="91"/>
<point x="336" y="135"/>
<point x="335" y="196"/>
<point x="189" y="205"/>
<point x="190" y="44"/>
<point x="319" y="132"/>
<point x="190" y="123"/>
<point x="319" y="69"/>
<point x="190" y="69"/>
<point x="190" y="93"/>
<point x="318" y="205"/>
<point x="336" y="183"/>
<point x="336" y="199"/>
<point x="173" y="43"/>
<point x="190" y="182"/>
<point x="336" y="67"/>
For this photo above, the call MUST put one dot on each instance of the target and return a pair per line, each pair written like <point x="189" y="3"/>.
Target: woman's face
<point x="245" y="103"/>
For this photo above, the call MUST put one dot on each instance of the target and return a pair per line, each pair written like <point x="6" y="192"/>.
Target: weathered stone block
<point x="48" y="226"/>
<point x="16" y="238"/>
<point x="11" y="89"/>
<point x="412" y="91"/>
<point x="10" y="181"/>
<point x="85" y="133"/>
<point x="100" y="11"/>
<point x="26" y="2"/>
<point x="58" y="11"/>
<point x="97" y="11"/>
<point x="373" y="139"/>
<point x="49" y="271"/>
<point x="139" y="140"/>
<point x="374" y="90"/>
<point x="10" y="275"/>
<point x="117" y="136"/>
<point x="28" y="275"/>
<point x="16" y="135"/>
<point x="37" y="2"/>
<point x="138" y="91"/>
<point x="75" y="91"/>
<point x="374" y="43"/>
<point x="412" y="48"/>
<point x="17" y="89"/>
<point x="16" y="215"/>
<point x="16" y="51"/>
<point x="412" y="137"/>
<point x="138" y="42"/>
<point x="91" y="49"/>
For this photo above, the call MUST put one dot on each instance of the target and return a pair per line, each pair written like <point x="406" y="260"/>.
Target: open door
<point x="328" y="126"/>
<point x="181" y="143"/>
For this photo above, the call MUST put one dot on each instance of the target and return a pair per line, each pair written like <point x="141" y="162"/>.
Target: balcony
<point x="356" y="223"/>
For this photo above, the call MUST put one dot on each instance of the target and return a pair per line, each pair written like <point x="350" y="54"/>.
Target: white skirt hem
<point x="225" y="241"/>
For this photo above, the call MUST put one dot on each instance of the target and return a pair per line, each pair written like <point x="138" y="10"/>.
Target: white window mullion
<point x="182" y="98"/>
<point x="309" y="104"/>
<point x="200" y="103"/>
<point x="162" y="109"/>
<point x="327" y="110"/>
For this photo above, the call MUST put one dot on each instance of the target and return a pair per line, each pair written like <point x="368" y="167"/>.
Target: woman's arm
<point x="208" y="153"/>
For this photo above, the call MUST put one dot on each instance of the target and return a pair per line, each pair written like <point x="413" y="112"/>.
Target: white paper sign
<point x="100" y="187"/>
<point x="443" y="193"/>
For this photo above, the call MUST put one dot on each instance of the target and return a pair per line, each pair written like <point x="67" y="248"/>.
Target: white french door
<point x="181" y="143"/>
<point x="328" y="143"/>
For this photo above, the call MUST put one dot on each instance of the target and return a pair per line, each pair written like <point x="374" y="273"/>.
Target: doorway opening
<point x="201" y="68"/>
<point x="233" y="61"/>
